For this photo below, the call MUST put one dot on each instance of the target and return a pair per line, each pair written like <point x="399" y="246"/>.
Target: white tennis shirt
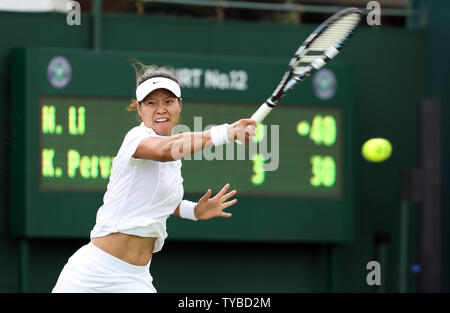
<point x="141" y="194"/>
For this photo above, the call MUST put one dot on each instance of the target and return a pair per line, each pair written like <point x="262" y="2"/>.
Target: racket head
<point x="322" y="45"/>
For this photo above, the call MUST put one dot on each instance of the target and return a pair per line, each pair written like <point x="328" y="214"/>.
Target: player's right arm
<point x="182" y="145"/>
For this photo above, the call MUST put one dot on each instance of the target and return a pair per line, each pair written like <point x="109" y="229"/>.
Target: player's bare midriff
<point x="131" y="249"/>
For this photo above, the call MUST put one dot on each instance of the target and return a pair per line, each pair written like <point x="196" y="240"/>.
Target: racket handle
<point x="259" y="115"/>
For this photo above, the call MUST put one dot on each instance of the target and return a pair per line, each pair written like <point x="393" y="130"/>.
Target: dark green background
<point x="393" y="68"/>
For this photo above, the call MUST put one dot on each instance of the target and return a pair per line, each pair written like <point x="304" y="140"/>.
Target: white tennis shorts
<point x="91" y="269"/>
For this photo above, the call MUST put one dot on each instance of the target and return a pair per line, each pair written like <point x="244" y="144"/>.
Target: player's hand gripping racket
<point x="324" y="43"/>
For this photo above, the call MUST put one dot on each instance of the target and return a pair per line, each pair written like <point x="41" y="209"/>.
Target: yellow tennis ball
<point x="376" y="150"/>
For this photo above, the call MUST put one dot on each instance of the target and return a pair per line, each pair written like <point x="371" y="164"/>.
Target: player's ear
<point x="138" y="108"/>
<point x="180" y="102"/>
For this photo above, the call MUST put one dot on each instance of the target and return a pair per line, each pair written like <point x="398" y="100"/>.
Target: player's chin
<point x="163" y="128"/>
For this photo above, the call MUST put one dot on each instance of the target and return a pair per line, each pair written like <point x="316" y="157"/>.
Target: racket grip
<point x="259" y="115"/>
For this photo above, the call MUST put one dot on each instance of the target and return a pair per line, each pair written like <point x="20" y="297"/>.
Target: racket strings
<point x="335" y="33"/>
<point x="322" y="45"/>
<point x="327" y="44"/>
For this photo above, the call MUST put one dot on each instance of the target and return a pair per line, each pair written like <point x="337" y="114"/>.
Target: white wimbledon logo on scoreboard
<point x="213" y="79"/>
<point x="59" y="72"/>
<point x="324" y="84"/>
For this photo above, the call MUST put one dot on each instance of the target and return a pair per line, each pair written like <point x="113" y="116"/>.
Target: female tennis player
<point x="144" y="189"/>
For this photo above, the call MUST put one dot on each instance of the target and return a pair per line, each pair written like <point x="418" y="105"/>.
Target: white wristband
<point x="187" y="210"/>
<point x="219" y="134"/>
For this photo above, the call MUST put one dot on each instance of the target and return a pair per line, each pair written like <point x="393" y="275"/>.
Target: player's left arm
<point x="207" y="207"/>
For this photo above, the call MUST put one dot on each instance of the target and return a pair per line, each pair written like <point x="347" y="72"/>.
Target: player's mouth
<point x="161" y="120"/>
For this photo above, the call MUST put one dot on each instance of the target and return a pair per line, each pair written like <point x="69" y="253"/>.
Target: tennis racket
<point x="324" y="43"/>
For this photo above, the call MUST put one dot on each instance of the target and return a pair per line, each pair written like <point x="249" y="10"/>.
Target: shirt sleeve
<point x="133" y="139"/>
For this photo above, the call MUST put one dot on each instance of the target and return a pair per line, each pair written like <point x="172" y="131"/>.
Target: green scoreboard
<point x="295" y="178"/>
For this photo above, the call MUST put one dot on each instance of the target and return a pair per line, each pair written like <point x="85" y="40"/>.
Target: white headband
<point x="156" y="83"/>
